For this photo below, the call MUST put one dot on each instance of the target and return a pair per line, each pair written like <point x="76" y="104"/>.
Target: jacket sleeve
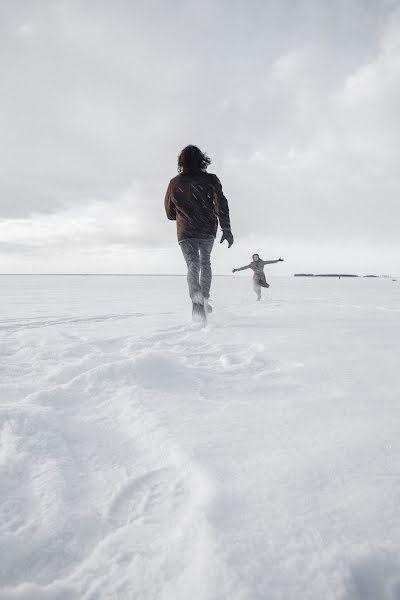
<point x="221" y="204"/>
<point x="270" y="262"/>
<point x="169" y="204"/>
<point x="244" y="268"/>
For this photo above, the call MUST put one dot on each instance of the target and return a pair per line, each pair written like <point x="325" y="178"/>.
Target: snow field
<point x="100" y="500"/>
<point x="143" y="458"/>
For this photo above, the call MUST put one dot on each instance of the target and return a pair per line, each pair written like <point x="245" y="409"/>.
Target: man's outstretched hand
<point x="227" y="235"/>
<point x="280" y="259"/>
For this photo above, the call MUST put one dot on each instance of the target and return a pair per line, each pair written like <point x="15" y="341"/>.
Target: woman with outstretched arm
<point x="257" y="266"/>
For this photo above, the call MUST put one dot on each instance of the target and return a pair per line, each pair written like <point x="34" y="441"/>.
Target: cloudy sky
<point x="296" y="102"/>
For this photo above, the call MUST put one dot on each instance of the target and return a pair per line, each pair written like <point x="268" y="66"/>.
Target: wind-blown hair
<point x="193" y="158"/>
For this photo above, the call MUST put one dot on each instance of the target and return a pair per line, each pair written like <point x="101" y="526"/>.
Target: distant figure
<point x="195" y="200"/>
<point x="257" y="265"/>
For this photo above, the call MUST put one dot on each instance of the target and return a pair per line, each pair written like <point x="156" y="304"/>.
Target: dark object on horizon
<point x="371" y="275"/>
<point x="339" y="275"/>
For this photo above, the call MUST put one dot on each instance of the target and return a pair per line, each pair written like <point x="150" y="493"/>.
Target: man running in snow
<point x="257" y="266"/>
<point x="195" y="200"/>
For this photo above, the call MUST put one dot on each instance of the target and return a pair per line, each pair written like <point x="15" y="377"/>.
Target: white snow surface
<point x="143" y="458"/>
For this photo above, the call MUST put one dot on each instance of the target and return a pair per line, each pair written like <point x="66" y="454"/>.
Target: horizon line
<point x="110" y="274"/>
<point x="303" y="275"/>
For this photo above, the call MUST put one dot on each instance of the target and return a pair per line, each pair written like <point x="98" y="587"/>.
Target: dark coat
<point x="195" y="200"/>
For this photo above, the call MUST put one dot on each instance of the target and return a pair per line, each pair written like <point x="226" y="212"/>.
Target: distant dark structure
<point x="335" y="275"/>
<point x="339" y="275"/>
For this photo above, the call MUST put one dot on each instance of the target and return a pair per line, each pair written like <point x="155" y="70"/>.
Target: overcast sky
<point x="297" y="103"/>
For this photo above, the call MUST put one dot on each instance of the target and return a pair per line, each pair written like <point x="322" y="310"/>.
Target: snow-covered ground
<point x="258" y="458"/>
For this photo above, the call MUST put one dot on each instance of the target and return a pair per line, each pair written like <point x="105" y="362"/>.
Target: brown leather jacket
<point x="195" y="200"/>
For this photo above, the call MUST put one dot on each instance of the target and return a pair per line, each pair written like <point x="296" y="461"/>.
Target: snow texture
<point x="144" y="458"/>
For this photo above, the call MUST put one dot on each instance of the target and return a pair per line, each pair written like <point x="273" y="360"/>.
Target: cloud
<point x="125" y="221"/>
<point x="367" y="105"/>
<point x="24" y="30"/>
<point x="295" y="102"/>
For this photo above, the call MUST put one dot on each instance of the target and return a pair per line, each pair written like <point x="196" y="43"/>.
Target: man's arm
<point x="241" y="268"/>
<point x="222" y="211"/>
<point x="271" y="262"/>
<point x="169" y="204"/>
<point x="221" y="205"/>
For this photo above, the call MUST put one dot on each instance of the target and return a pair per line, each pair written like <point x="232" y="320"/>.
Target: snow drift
<point x="143" y="458"/>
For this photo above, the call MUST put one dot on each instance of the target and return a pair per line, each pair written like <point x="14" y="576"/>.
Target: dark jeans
<point x="197" y="255"/>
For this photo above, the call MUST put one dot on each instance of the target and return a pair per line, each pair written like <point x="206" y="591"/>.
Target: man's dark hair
<point x="255" y="254"/>
<point x="193" y="158"/>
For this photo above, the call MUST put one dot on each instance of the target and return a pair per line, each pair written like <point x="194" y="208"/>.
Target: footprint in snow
<point x="150" y="497"/>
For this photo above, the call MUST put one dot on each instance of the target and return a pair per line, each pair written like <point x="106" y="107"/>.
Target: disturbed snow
<point x="142" y="458"/>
